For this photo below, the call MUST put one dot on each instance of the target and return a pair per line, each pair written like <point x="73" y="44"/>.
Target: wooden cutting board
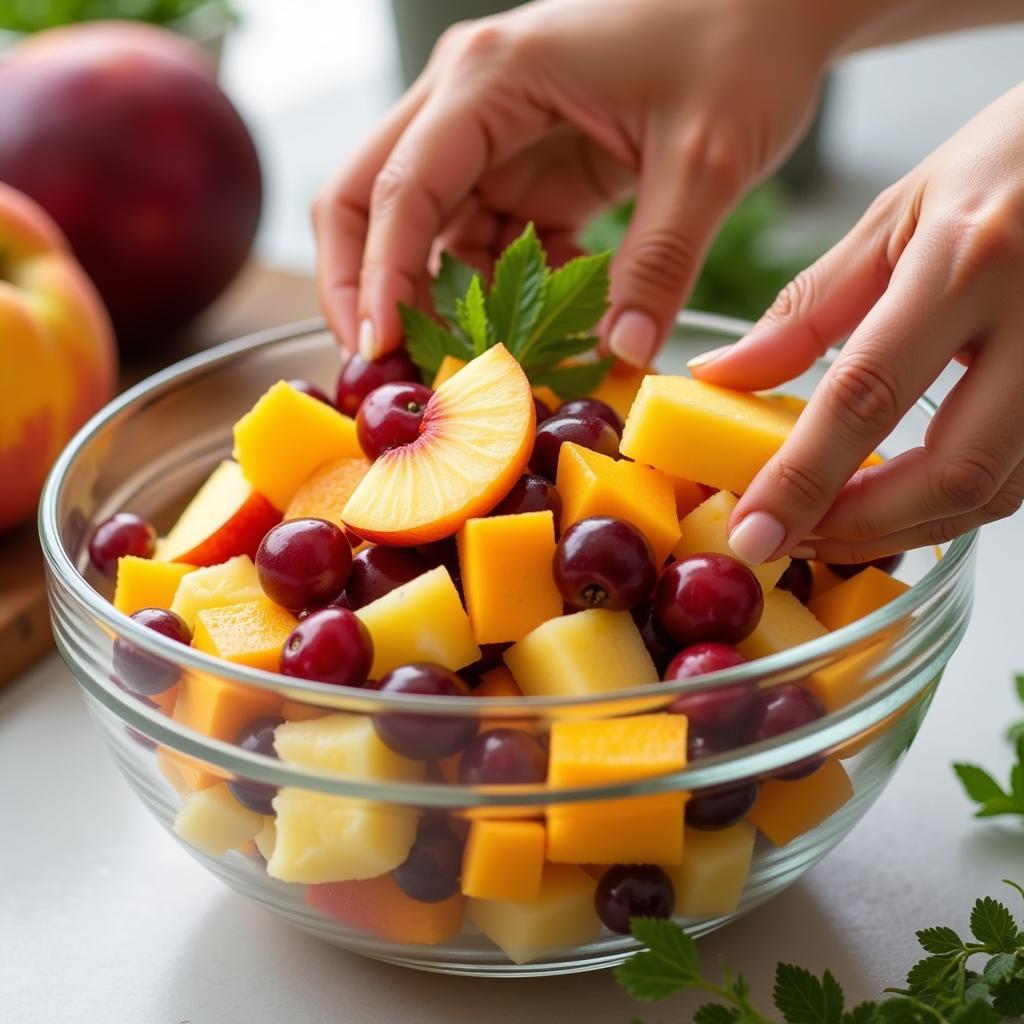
<point x="261" y="297"/>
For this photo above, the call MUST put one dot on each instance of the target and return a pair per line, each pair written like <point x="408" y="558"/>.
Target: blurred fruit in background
<point x="120" y="132"/>
<point x="57" y="356"/>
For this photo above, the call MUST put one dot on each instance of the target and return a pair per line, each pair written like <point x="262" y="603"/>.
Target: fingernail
<point x="757" y="536"/>
<point x="633" y="338"/>
<point x="708" y="357"/>
<point x="802" y="552"/>
<point x="368" y="345"/>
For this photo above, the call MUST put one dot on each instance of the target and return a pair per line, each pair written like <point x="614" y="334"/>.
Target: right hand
<point x="550" y="113"/>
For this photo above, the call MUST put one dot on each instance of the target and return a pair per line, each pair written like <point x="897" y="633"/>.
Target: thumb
<point x="681" y="197"/>
<point x="820" y="305"/>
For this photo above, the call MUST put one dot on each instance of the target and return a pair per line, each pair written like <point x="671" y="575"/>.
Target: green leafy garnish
<point x="542" y="316"/>
<point x="982" y="788"/>
<point x="940" y="989"/>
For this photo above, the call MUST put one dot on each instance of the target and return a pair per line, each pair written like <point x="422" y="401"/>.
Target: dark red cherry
<point x="592" y="407"/>
<point x="360" y="376"/>
<point x="120" y="535"/>
<point x="257" y="737"/>
<point x="541" y="410"/>
<point x="602" y="562"/>
<point x="783" y="708"/>
<point x="378" y="570"/>
<point x="586" y="431"/>
<point x="391" y="416"/>
<point x="720" y="808"/>
<point x="626" y="891"/>
<point x="798" y="580"/>
<point x="329" y="646"/>
<point x="140" y="672"/>
<point x="530" y="493"/>
<point x="503" y="757"/>
<point x="312" y="390"/>
<point x="431" y="872"/>
<point x="303" y="563"/>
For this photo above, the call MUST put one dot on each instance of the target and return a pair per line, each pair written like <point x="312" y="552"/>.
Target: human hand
<point x="934" y="271"/>
<point x="551" y="112"/>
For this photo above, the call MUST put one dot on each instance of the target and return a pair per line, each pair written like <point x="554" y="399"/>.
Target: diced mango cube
<point x="587" y="652"/>
<point x="619" y="387"/>
<point x="503" y="860"/>
<point x="322" y="495"/>
<point x="705" y="433"/>
<point x="562" y="915"/>
<point x="213" y="821"/>
<point x="856" y="597"/>
<point x="822" y="578"/>
<point x="251" y="633"/>
<point x="450" y="366"/>
<point x="630" y="830"/>
<point x="591" y="484"/>
<point x="231" y="582"/>
<point x="710" y="880"/>
<point x="285" y="436"/>
<point x="297" y="711"/>
<point x="497" y="682"/>
<point x="507" y="575"/>
<point x="706" y="529"/>
<point x="378" y="906"/>
<point x="785" y="810"/>
<point x="847" y="679"/>
<point x="143" y="583"/>
<point x="422" y="620"/>
<point x="784" y="623"/>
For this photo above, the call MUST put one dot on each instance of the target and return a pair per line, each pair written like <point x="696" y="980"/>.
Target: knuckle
<point x="988" y="238"/>
<point x="795" y="298"/>
<point x="966" y="483"/>
<point x="942" y="532"/>
<point x="492" y="41"/>
<point x="865" y="392"/>
<point x="714" y="157"/>
<point x="800" y="481"/>
<point x="389" y="184"/>
<point x="662" y="261"/>
<point x="1006" y="503"/>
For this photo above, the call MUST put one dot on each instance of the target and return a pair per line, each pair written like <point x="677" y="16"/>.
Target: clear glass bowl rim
<point x="834" y="729"/>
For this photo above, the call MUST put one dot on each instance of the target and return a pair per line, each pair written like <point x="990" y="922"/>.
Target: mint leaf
<point x="551" y="354"/>
<point x="572" y="381"/>
<point x="471" y="314"/>
<point x="979" y="785"/>
<point x="715" y="1013"/>
<point x="1008" y="997"/>
<point x="669" y="964"/>
<point x="802" y="999"/>
<point x="992" y="924"/>
<point x="977" y="1012"/>
<point x="999" y="968"/>
<point x="428" y="342"/>
<point x="862" y="1013"/>
<point x="451" y="283"/>
<point x="575" y="298"/>
<point x="517" y="294"/>
<point x="928" y="971"/>
<point x="903" y="1011"/>
<point x="940" y="940"/>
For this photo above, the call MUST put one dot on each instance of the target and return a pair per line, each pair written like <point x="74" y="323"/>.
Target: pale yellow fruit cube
<point x="591" y="651"/>
<point x="230" y="582"/>
<point x="213" y="821"/>
<point x="561" y="916"/>
<point x="709" y="882"/>
<point x="784" y="623"/>
<point x="705" y="530"/>
<point x="266" y="838"/>
<point x="422" y="620"/>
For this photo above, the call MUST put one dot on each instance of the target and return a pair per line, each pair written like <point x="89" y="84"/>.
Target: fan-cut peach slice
<point x="475" y="439"/>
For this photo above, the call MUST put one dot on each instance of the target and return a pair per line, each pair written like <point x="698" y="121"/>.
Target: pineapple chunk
<point x="213" y="821"/>
<point x="422" y="620"/>
<point x="588" y="652"/>
<point x="266" y="838"/>
<point x="784" y="623"/>
<point x="561" y="915"/>
<point x="710" y="880"/>
<point x="705" y="529"/>
<point x="231" y="582"/>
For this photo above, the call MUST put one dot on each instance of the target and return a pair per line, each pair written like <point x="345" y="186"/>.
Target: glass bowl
<point x="149" y="450"/>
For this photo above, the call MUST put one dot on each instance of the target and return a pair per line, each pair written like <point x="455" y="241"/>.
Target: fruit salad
<point x="472" y="532"/>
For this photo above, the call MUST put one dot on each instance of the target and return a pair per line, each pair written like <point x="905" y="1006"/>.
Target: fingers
<point x="1007" y="502"/>
<point x="683" y="194"/>
<point x="820" y="306"/>
<point x="891" y="359"/>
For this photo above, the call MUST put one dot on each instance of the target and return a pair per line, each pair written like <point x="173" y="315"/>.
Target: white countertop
<point x="103" y="918"/>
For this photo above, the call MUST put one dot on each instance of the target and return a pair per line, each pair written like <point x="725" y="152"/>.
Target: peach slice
<point x="474" y="443"/>
<point x="227" y="517"/>
<point x="323" y="494"/>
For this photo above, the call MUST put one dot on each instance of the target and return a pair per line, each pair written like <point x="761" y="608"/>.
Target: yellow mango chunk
<point x="231" y="582"/>
<point x="588" y="652"/>
<point x="785" y="810"/>
<point x="503" y="860"/>
<point x="856" y="597"/>
<point x="285" y="436"/>
<point x="701" y="432"/>
<point x="422" y="620"/>
<point x="591" y="484"/>
<point x="323" y="494"/>
<point x="143" y="583"/>
<point x="507" y="576"/>
<point x="560" y="916"/>
<point x="251" y="633"/>
<point x="847" y="679"/>
<point x="710" y="880"/>
<point x="629" y="830"/>
<point x="497" y="682"/>
<point x="619" y="388"/>
<point x="450" y="366"/>
<point x="213" y="821"/>
<point x="219" y="707"/>
<point x="706" y="529"/>
<point x="784" y="623"/>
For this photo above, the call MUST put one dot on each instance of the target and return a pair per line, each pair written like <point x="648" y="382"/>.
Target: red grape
<point x="720" y="808"/>
<point x="887" y="563"/>
<point x="541" y="410"/>
<point x="120" y="535"/>
<point x="360" y="376"/>
<point x="431" y="872"/>
<point x="633" y="890"/>
<point x="798" y="580"/>
<point x="329" y="646"/>
<point x="783" y="708"/>
<point x="257" y="737"/>
<point x="391" y="416"/>
<point x="586" y="431"/>
<point x="140" y="672"/>
<point x="503" y="757"/>
<point x="530" y="493"/>
<point x="312" y="390"/>
<point x="602" y="562"/>
<point x="303" y="563"/>
<point x="377" y="570"/>
<point x="592" y="407"/>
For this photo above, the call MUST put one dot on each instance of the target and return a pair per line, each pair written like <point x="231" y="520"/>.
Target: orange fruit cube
<point x="506" y="574"/>
<point x="785" y="810"/>
<point x="251" y="633"/>
<point x="856" y="597"/>
<point x="620" y="386"/>
<point x="503" y="860"/>
<point x="322" y="495"/>
<point x="498" y="682"/>
<point x="450" y="366"/>
<point x="143" y="583"/>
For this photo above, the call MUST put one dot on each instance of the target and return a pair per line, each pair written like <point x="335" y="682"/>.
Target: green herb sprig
<point x="542" y="316"/>
<point x="982" y="788"/>
<point x="942" y="988"/>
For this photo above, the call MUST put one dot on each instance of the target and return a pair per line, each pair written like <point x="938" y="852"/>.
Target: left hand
<point x="934" y="271"/>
